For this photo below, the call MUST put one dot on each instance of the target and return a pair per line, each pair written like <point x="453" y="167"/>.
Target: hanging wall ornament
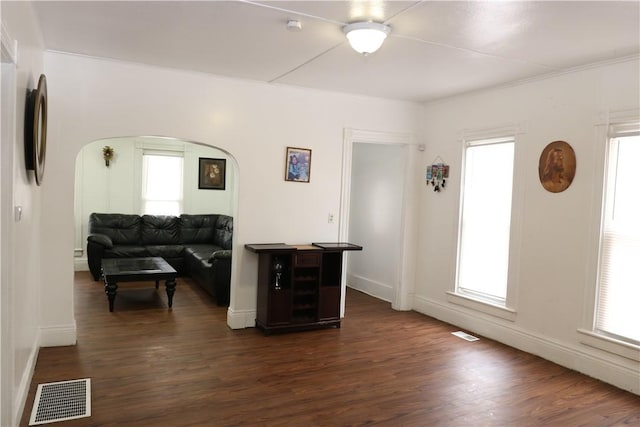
<point x="557" y="166"/>
<point x="437" y="174"/>
<point x="107" y="154"/>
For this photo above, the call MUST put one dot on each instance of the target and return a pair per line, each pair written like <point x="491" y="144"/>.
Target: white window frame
<point x="615" y="124"/>
<point x="498" y="308"/>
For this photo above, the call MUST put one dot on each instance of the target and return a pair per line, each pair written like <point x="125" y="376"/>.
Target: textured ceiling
<point x="435" y="49"/>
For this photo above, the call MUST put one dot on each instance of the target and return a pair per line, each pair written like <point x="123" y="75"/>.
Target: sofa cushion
<point x="124" y="251"/>
<point x="206" y="249"/>
<point x="101" y="239"/>
<point x="224" y="232"/>
<point x="197" y="228"/>
<point x="221" y="254"/>
<point x="160" y="230"/>
<point x="200" y="259"/>
<point x="166" y="251"/>
<point x="122" y="229"/>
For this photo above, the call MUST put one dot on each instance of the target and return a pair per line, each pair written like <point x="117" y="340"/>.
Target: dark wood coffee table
<point x="117" y="270"/>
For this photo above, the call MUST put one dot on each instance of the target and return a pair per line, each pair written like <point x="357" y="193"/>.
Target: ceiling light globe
<point x="366" y="37"/>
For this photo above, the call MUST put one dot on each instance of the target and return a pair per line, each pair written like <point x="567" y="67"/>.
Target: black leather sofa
<point x="198" y="246"/>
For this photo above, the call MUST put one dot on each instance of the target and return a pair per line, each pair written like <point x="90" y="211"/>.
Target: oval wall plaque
<point x="35" y="129"/>
<point x="557" y="166"/>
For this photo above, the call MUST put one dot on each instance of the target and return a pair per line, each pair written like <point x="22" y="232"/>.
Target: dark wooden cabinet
<point x="299" y="286"/>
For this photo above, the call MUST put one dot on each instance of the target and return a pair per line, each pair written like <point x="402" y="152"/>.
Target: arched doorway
<point x="116" y="186"/>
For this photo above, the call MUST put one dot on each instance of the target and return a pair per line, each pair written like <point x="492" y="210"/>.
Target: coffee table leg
<point x="111" y="289"/>
<point x="171" y="289"/>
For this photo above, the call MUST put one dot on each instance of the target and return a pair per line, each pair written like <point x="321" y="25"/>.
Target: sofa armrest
<point x="101" y="239"/>
<point x="222" y="254"/>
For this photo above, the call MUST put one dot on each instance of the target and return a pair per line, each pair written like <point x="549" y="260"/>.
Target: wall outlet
<point x="330" y="219"/>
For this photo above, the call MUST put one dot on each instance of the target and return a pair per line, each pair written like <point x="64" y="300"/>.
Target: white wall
<point x="21" y="257"/>
<point x="555" y="234"/>
<point x="117" y="188"/>
<point x="377" y="188"/>
<point x="254" y="122"/>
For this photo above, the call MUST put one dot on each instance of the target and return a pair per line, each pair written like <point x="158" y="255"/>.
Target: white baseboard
<point x="46" y="337"/>
<point x="55" y="336"/>
<point x="370" y="287"/>
<point x="240" y="319"/>
<point x="25" y="382"/>
<point x="80" y="264"/>
<point x="621" y="374"/>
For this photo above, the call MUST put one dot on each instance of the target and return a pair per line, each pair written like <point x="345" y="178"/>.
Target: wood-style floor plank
<point x="151" y="366"/>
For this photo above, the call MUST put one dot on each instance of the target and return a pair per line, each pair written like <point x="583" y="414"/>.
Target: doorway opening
<point x="375" y="197"/>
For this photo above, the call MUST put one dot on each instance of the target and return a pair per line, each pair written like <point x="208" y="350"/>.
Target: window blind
<point x="162" y="184"/>
<point x="617" y="308"/>
<point x="483" y="258"/>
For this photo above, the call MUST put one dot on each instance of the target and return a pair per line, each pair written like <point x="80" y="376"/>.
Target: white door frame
<point x="9" y="52"/>
<point x="404" y="286"/>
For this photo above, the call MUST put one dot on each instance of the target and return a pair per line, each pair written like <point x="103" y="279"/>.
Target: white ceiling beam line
<point x="291" y="12"/>
<point x="403" y="11"/>
<point x="491" y="55"/>
<point x="286" y="73"/>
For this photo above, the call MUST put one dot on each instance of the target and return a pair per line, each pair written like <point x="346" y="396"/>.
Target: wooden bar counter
<point x="299" y="286"/>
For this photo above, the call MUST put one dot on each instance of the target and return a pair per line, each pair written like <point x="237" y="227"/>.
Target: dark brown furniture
<point x="299" y="286"/>
<point x="117" y="270"/>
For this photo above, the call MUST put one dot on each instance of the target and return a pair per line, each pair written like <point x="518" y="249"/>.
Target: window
<point x="617" y="315"/>
<point x="485" y="220"/>
<point x="161" y="183"/>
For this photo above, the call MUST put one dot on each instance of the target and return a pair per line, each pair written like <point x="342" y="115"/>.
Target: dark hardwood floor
<point x="150" y="366"/>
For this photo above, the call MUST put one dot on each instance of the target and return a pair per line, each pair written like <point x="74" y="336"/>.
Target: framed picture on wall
<point x="557" y="166"/>
<point x="212" y="174"/>
<point x="298" y="165"/>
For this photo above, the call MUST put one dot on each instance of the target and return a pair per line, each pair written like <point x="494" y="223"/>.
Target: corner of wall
<point x="240" y="319"/>
<point x="59" y="335"/>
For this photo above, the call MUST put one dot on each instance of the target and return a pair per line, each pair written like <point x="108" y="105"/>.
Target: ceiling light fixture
<point x="366" y="37"/>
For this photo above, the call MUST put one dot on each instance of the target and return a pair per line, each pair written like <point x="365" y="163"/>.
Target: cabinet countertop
<point x="282" y="247"/>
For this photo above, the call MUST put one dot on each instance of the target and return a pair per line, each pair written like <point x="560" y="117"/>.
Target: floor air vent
<point x="61" y="401"/>
<point x="465" y="336"/>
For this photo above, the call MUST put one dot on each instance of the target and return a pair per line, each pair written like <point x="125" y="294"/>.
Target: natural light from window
<point x="618" y="313"/>
<point x="483" y="261"/>
<point x="162" y="184"/>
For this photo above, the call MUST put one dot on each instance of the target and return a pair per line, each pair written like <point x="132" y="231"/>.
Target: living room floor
<point x="150" y="366"/>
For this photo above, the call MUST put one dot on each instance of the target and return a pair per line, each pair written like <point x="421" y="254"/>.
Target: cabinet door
<point x="279" y="307"/>
<point x="329" y="303"/>
<point x="330" y="286"/>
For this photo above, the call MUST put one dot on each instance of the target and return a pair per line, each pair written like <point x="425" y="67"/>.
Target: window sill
<point x="610" y="345"/>
<point x="482" y="306"/>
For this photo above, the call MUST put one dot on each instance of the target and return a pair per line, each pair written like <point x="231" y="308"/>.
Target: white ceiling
<point x="435" y="49"/>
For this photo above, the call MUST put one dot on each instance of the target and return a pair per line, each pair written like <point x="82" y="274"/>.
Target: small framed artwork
<point x="298" y="165"/>
<point x="212" y="173"/>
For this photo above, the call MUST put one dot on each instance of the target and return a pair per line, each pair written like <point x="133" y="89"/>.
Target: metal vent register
<point x="61" y="401"/>
<point x="465" y="336"/>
